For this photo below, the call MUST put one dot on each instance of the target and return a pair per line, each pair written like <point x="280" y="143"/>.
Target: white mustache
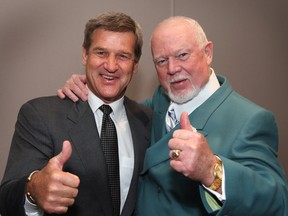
<point x="177" y="78"/>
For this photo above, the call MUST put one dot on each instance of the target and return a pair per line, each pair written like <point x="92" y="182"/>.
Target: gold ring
<point x="175" y="154"/>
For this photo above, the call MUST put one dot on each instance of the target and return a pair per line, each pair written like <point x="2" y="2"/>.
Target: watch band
<point x="217" y="172"/>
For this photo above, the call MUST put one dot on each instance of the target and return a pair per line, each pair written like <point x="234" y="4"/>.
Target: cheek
<point x="127" y="71"/>
<point x="93" y="63"/>
<point x="163" y="78"/>
<point x="162" y="75"/>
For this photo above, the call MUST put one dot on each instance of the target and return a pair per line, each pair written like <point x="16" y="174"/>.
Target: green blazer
<point x="243" y="135"/>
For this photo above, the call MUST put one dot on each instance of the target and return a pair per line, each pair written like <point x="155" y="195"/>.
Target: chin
<point x="181" y="98"/>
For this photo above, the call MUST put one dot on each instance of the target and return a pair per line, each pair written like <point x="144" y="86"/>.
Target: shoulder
<point x="248" y="114"/>
<point x="49" y="102"/>
<point x="236" y="100"/>
<point x="47" y="105"/>
<point x="160" y="100"/>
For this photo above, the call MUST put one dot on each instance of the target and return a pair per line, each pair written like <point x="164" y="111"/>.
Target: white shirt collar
<point x="95" y="103"/>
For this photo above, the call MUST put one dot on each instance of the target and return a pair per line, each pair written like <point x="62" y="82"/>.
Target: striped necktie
<point x="171" y="120"/>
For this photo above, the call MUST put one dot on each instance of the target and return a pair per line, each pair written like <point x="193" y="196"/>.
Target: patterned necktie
<point x="171" y="120"/>
<point x="110" y="149"/>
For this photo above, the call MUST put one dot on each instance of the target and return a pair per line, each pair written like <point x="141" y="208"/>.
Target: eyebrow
<point x="97" y="48"/>
<point x="177" y="52"/>
<point x="117" y="51"/>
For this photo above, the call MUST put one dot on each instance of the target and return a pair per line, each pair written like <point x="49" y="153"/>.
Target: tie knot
<point x="106" y="109"/>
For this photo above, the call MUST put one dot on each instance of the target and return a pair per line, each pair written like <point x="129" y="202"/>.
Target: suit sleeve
<point x="30" y="150"/>
<point x="255" y="182"/>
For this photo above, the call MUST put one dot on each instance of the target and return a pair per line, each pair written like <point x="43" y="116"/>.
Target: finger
<point x="80" y="81"/>
<point x="70" y="180"/>
<point x="177" y="165"/>
<point x="61" y="205"/>
<point x="64" y="155"/>
<point x="66" y="201"/>
<point x="60" y="94"/>
<point x="69" y="93"/>
<point x="64" y="191"/>
<point x="184" y="135"/>
<point x="185" y="122"/>
<point x="80" y="86"/>
<point x="176" y="143"/>
<point x="78" y="93"/>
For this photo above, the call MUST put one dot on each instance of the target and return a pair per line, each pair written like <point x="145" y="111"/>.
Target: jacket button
<point x="158" y="189"/>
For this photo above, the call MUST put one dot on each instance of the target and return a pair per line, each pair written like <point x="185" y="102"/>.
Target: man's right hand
<point x="74" y="88"/>
<point x="52" y="189"/>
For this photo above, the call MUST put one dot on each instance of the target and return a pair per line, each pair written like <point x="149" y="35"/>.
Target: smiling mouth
<point x="108" y="77"/>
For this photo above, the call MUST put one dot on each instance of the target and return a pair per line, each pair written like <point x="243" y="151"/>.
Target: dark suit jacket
<point x="42" y="126"/>
<point x="243" y="134"/>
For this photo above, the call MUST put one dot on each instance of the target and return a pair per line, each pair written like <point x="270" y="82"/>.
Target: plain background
<point x="40" y="47"/>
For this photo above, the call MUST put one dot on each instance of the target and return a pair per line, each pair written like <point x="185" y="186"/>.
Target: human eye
<point x="183" y="56"/>
<point x="98" y="52"/>
<point x="101" y="53"/>
<point x="124" y="56"/>
<point x="161" y="61"/>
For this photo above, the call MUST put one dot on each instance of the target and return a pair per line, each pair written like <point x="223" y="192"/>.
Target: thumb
<point x="185" y="122"/>
<point x="64" y="155"/>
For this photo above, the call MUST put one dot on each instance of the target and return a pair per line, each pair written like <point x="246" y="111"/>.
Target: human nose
<point x="173" y="66"/>
<point x="111" y="64"/>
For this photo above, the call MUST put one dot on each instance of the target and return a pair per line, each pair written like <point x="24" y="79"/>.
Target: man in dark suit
<point x="56" y="163"/>
<point x="213" y="152"/>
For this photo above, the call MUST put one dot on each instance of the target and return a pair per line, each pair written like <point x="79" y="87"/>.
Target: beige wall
<point x="40" y="47"/>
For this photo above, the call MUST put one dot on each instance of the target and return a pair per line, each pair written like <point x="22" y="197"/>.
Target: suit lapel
<point x="201" y="115"/>
<point x="141" y="139"/>
<point x="85" y="140"/>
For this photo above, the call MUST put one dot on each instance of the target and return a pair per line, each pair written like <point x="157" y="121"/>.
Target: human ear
<point x="209" y="52"/>
<point x="84" y="56"/>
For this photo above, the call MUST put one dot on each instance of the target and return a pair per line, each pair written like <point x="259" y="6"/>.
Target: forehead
<point x="170" y="38"/>
<point x="113" y="40"/>
<point x="173" y="27"/>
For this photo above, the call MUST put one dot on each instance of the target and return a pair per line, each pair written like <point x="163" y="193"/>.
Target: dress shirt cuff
<point x="32" y="209"/>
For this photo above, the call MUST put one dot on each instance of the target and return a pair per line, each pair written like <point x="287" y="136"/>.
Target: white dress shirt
<point x="125" y="143"/>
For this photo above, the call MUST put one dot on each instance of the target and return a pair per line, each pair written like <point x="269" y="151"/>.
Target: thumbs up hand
<point x="195" y="158"/>
<point x="52" y="189"/>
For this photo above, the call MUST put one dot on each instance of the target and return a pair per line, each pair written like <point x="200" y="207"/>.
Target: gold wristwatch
<point x="218" y="173"/>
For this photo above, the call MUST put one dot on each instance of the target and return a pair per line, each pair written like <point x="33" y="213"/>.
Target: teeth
<point x="107" y="77"/>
